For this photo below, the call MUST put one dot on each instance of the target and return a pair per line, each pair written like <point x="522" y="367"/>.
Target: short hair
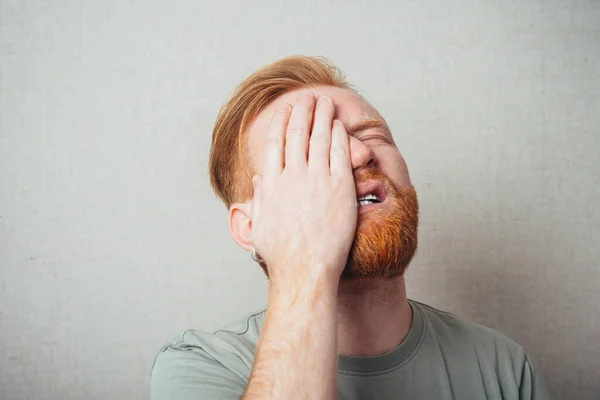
<point x="228" y="162"/>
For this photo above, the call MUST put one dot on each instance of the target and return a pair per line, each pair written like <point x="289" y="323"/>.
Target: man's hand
<point x="304" y="209"/>
<point x="304" y="214"/>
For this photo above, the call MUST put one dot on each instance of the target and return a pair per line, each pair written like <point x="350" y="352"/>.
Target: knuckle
<point x="338" y="128"/>
<point x="320" y="138"/>
<point x="316" y="186"/>
<point x="325" y="100"/>
<point x="295" y="131"/>
<point x="335" y="181"/>
<point x="273" y="142"/>
<point x="338" y="151"/>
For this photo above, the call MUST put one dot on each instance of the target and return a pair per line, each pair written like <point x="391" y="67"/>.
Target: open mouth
<point x="371" y="198"/>
<point x="371" y="192"/>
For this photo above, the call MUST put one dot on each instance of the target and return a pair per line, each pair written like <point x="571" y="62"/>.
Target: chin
<point x="386" y="237"/>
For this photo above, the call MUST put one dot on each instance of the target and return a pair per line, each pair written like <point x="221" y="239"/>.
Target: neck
<point x="373" y="315"/>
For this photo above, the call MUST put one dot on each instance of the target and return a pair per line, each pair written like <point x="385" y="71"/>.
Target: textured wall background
<point x="111" y="241"/>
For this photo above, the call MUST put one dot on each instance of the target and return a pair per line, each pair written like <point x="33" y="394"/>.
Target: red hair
<point x="229" y="175"/>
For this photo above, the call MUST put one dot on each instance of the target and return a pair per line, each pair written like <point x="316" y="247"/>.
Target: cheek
<point x="393" y="165"/>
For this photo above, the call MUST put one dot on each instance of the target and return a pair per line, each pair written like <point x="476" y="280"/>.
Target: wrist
<point x="304" y="289"/>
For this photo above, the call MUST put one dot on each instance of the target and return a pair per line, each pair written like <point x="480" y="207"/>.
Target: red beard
<point x="386" y="238"/>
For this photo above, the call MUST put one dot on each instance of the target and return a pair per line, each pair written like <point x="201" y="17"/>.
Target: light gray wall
<point x="111" y="241"/>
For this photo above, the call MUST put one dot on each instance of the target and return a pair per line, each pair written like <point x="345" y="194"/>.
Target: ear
<point x="240" y="224"/>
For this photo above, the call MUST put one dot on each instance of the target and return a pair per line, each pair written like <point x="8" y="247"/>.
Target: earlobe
<point x="240" y="224"/>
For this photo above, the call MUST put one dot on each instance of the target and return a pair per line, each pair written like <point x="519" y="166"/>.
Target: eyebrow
<point x="356" y="128"/>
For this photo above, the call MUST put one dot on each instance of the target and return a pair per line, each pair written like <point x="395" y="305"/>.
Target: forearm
<point x="296" y="356"/>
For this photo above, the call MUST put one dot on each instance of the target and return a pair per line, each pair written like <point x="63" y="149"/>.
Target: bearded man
<point x="319" y="194"/>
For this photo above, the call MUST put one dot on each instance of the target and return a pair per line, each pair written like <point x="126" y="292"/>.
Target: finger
<point x="296" y="139"/>
<point x="340" y="150"/>
<point x="320" y="138"/>
<point x="273" y="161"/>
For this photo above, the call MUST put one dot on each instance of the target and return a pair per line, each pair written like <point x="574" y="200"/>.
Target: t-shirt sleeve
<point x="192" y="374"/>
<point x="532" y="385"/>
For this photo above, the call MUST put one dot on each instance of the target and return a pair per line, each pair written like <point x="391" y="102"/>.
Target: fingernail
<point x="284" y="108"/>
<point x="305" y="94"/>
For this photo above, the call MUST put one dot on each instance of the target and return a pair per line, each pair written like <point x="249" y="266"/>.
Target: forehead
<point x="350" y="108"/>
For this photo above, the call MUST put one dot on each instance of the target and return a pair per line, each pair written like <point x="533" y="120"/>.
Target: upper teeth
<point x="368" y="199"/>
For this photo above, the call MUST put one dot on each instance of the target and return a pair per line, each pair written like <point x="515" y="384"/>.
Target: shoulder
<point x="481" y="351"/>
<point x="458" y="332"/>
<point x="202" y="359"/>
<point x="235" y="340"/>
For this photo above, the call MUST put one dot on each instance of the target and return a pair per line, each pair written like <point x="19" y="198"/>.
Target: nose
<point x="361" y="155"/>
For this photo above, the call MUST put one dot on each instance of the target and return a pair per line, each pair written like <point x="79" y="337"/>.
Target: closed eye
<point x="375" y="138"/>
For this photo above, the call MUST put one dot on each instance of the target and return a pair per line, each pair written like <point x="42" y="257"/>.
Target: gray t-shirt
<point x="442" y="357"/>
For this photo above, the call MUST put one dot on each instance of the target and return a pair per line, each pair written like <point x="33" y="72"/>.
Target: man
<point x="319" y="194"/>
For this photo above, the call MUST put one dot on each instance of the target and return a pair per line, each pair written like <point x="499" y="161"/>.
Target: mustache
<point x="366" y="174"/>
<point x="371" y="173"/>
